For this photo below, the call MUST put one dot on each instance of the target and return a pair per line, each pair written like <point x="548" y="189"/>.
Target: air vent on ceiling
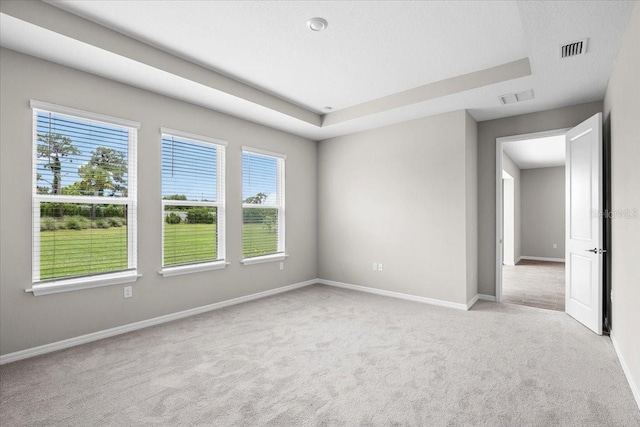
<point x="512" y="98"/>
<point x="573" y="49"/>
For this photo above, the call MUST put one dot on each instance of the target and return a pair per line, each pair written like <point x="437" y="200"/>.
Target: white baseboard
<point x="625" y="368"/>
<point x="393" y="294"/>
<point x="473" y="301"/>
<point x="541" y="258"/>
<point x="94" y="336"/>
<point x="480" y="297"/>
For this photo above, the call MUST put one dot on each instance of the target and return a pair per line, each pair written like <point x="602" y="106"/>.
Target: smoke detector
<point x="573" y="49"/>
<point x="317" y="24"/>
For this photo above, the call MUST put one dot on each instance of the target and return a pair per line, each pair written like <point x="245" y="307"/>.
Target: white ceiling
<point x="369" y="50"/>
<point x="377" y="63"/>
<point x="537" y="153"/>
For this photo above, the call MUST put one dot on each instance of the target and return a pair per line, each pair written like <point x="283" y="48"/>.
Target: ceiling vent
<point x="512" y="98"/>
<point x="573" y="49"/>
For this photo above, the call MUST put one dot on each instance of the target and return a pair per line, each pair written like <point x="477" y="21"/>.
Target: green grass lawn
<point x="256" y="240"/>
<point x="66" y="253"/>
<point x="80" y="252"/>
<point x="186" y="243"/>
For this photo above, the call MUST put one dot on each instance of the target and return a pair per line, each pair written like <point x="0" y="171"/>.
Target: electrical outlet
<point x="555" y="246"/>
<point x="375" y="266"/>
<point x="380" y="267"/>
<point x="128" y="291"/>
<point x="282" y="266"/>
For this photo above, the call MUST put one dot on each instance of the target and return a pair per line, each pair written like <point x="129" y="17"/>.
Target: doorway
<point x="583" y="244"/>
<point x="532" y="220"/>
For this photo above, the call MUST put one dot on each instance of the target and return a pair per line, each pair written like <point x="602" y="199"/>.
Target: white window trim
<point x="192" y="136"/>
<point x="84" y="282"/>
<point x="219" y="204"/>
<point x="264" y="258"/>
<point x="280" y="197"/>
<point x="192" y="268"/>
<point x="87" y="115"/>
<point x="93" y="280"/>
<point x="252" y="150"/>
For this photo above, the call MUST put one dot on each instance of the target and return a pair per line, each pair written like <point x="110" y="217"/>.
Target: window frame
<point x="71" y="283"/>
<point x="280" y="253"/>
<point x="219" y="204"/>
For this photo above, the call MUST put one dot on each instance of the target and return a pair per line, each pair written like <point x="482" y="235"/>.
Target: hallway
<point x="535" y="284"/>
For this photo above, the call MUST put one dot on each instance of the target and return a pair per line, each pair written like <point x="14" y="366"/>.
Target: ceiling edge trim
<point x="57" y="20"/>
<point x="501" y="73"/>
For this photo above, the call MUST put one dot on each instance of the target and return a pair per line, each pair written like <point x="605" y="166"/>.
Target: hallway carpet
<point x="322" y="356"/>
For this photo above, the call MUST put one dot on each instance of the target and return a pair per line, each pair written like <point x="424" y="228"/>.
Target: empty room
<point x="317" y="213"/>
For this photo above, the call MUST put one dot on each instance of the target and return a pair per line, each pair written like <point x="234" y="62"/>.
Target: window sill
<point x="264" y="258"/>
<point x="192" y="268"/>
<point x="77" y="283"/>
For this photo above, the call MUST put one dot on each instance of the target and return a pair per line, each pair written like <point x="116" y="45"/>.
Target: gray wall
<point x="397" y="195"/>
<point x="622" y="109"/>
<point x="512" y="169"/>
<point x="487" y="133"/>
<point x="27" y="321"/>
<point x="543" y="205"/>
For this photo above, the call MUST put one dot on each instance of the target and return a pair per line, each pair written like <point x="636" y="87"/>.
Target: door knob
<point x="596" y="250"/>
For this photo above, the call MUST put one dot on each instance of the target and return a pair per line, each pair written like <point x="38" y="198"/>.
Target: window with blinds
<point x="262" y="203"/>
<point x="84" y="194"/>
<point x="193" y="202"/>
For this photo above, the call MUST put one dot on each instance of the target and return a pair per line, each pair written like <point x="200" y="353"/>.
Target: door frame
<point x="499" y="196"/>
<point x="511" y="188"/>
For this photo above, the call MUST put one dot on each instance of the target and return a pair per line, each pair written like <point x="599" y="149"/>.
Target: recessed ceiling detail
<point x="373" y="68"/>
<point x="454" y="85"/>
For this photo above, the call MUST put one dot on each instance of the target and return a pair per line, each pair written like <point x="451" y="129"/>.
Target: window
<point x="84" y="199"/>
<point x="193" y="207"/>
<point x="262" y="206"/>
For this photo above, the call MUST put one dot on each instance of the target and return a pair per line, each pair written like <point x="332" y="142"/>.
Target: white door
<point x="583" y="296"/>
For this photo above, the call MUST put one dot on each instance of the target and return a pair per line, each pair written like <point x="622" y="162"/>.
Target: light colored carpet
<point x="321" y="356"/>
<point x="534" y="284"/>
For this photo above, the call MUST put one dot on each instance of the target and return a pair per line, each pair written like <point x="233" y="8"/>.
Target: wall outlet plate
<point x="128" y="291"/>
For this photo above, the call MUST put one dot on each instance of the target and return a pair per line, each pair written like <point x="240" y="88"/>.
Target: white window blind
<point x="263" y="206"/>
<point x="84" y="195"/>
<point x="193" y="199"/>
